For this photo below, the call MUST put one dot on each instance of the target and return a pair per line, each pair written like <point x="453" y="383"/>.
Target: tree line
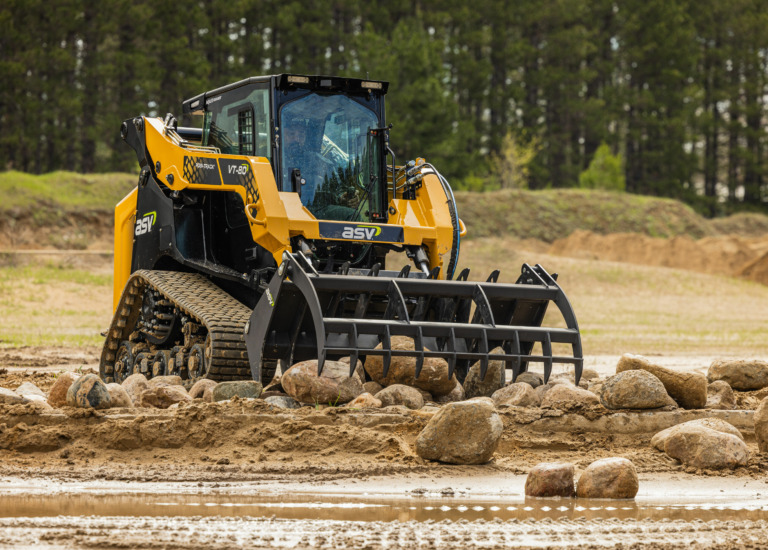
<point x="495" y="93"/>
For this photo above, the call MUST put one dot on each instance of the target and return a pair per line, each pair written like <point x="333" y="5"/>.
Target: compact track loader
<point x="259" y="240"/>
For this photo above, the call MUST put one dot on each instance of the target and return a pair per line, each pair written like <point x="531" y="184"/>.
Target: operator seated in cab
<point x="324" y="156"/>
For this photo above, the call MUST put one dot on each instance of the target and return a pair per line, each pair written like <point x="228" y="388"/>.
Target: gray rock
<point x="531" y="378"/>
<point x="609" y="478"/>
<point x="163" y="397"/>
<point x="461" y="433"/>
<point x="333" y="387"/>
<point x="518" y="394"/>
<point x="10" y="397"/>
<point x="550" y="479"/>
<point x="432" y="378"/>
<point x="742" y="375"/>
<point x="634" y="389"/>
<point x="203" y="389"/>
<point x="28" y="388"/>
<point x="475" y="386"/>
<point x="702" y="447"/>
<point x="400" y="394"/>
<point x="135" y="385"/>
<point x="659" y="440"/>
<point x="118" y="396"/>
<point x="240" y="388"/>
<point x="89" y="392"/>
<point x="720" y="396"/>
<point x="567" y="397"/>
<point x="57" y="397"/>
<point x="688" y="389"/>
<point x="283" y="402"/>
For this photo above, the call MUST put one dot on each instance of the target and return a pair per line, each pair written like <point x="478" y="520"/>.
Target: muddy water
<point x="373" y="508"/>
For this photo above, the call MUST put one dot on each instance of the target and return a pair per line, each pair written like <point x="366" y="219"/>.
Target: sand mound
<point x="723" y="255"/>
<point x="756" y="270"/>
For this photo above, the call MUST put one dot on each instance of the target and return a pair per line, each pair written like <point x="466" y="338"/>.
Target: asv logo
<point x="144" y="225"/>
<point x="239" y="170"/>
<point x="361" y="232"/>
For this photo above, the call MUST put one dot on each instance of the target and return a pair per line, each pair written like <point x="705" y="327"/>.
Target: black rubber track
<point x="200" y="299"/>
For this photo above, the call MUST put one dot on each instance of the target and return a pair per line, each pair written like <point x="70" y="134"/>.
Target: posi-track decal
<point x="201" y="170"/>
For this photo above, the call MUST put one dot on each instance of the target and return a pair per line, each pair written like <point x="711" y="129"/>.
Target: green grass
<point x="22" y="193"/>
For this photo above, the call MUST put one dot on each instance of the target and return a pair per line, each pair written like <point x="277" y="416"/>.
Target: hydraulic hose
<point x="456" y="244"/>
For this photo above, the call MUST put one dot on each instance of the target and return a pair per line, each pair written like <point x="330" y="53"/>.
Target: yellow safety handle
<point x="250" y="216"/>
<point x="462" y="228"/>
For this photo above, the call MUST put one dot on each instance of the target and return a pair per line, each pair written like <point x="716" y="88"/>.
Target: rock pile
<point x="688" y="389"/>
<point x="742" y="375"/>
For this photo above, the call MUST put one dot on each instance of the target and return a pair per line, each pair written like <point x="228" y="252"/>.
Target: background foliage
<point x="675" y="89"/>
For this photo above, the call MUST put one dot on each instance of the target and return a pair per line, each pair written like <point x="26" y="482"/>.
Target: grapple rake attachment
<point x="306" y="315"/>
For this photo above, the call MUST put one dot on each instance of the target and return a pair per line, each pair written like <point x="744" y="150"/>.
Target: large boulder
<point x="761" y="426"/>
<point x="461" y="433"/>
<point x="224" y="391"/>
<point x="203" y="389"/>
<point x="88" y="392"/>
<point x="550" y="479"/>
<point x="333" y="387"/>
<point x="10" y="397"/>
<point x="702" y="447"/>
<point x="688" y="389"/>
<point x="613" y="477"/>
<point x="118" y="396"/>
<point x="659" y="440"/>
<point x="400" y="394"/>
<point x="531" y="378"/>
<point x="57" y="396"/>
<point x="365" y="401"/>
<point x="163" y="397"/>
<point x="135" y="385"/>
<point x="475" y="386"/>
<point x="518" y="394"/>
<point x="566" y="397"/>
<point x="28" y="389"/>
<point x="720" y="396"/>
<point x="634" y="389"/>
<point x="741" y="375"/>
<point x="432" y="378"/>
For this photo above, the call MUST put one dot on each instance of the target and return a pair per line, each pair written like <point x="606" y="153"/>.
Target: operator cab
<point x="323" y="136"/>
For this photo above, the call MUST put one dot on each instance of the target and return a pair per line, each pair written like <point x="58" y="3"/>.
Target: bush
<point x="604" y="172"/>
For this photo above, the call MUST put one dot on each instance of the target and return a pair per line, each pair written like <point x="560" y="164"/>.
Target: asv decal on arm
<point x="145" y="223"/>
<point x="363" y="232"/>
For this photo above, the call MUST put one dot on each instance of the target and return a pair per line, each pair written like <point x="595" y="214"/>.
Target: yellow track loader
<point x="259" y="240"/>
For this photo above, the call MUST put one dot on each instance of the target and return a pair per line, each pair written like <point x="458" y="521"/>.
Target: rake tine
<point x="484" y="359"/>
<point x="546" y="348"/>
<point x="494" y="276"/>
<point x="464" y="275"/>
<point x="355" y="351"/>
<point x="418" y="345"/>
<point x="386" y="346"/>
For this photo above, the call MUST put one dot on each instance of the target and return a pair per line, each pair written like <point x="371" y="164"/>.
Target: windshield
<point x="330" y="156"/>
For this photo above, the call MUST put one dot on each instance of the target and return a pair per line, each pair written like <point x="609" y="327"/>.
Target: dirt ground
<point x="251" y="447"/>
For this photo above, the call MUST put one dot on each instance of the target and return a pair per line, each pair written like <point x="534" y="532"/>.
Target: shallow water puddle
<point x="371" y="508"/>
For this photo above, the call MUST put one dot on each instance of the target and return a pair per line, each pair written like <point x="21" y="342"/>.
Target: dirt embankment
<point x="730" y="255"/>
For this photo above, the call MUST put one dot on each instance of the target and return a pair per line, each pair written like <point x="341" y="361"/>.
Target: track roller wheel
<point x="177" y="363"/>
<point x="196" y="364"/>
<point x="161" y="363"/>
<point x="141" y="364"/>
<point x="124" y="360"/>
